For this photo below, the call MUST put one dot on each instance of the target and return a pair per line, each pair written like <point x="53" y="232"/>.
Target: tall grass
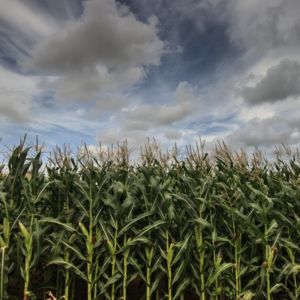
<point x="89" y="225"/>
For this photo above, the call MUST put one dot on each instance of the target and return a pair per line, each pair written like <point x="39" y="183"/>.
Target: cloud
<point x="145" y="116"/>
<point x="267" y="132"/>
<point x="16" y="96"/>
<point x="107" y="48"/>
<point x="21" y="103"/>
<point x="21" y="25"/>
<point x="265" y="25"/>
<point x="280" y="82"/>
<point x="91" y="82"/>
<point x="72" y="120"/>
<point x="173" y="134"/>
<point x="15" y="13"/>
<point x="163" y="120"/>
<point x="180" y="11"/>
<point x="150" y="116"/>
<point x="112" y="136"/>
<point x="98" y="50"/>
<point x="138" y="138"/>
<point x="109" y="103"/>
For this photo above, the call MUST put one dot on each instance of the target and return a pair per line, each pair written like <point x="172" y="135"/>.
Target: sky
<point x="74" y="71"/>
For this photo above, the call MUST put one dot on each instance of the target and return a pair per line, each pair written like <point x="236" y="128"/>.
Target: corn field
<point x="89" y="225"/>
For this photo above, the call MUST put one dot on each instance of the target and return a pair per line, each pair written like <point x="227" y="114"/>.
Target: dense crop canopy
<point x="96" y="226"/>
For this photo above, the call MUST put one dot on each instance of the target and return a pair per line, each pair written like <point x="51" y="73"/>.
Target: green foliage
<point x="96" y="226"/>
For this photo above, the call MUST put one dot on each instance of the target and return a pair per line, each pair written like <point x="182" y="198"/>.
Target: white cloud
<point x="75" y="120"/>
<point x="267" y="132"/>
<point x="20" y="103"/>
<point x="21" y="25"/>
<point x="27" y="19"/>
<point x="147" y="116"/>
<point x="151" y="116"/>
<point x="90" y="83"/>
<point x="108" y="103"/>
<point x="173" y="134"/>
<point x="16" y="96"/>
<point x="268" y="35"/>
<point x="104" y="54"/>
<point x="114" y="135"/>
<point x="105" y="49"/>
<point x="265" y="25"/>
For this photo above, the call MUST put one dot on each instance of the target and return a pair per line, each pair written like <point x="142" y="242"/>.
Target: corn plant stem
<point x="67" y="282"/>
<point x="113" y="265"/>
<point x="148" y="282"/>
<point x="148" y="270"/>
<point x="148" y="287"/>
<point x="214" y="259"/>
<point x="237" y="267"/>
<point x="95" y="285"/>
<point x="112" y="275"/>
<point x="201" y="266"/>
<point x="148" y="273"/>
<point x="67" y="278"/>
<point x="268" y="284"/>
<point x="268" y="267"/>
<point x="2" y="273"/>
<point x="125" y="278"/>
<point x="169" y="269"/>
<point x="149" y="256"/>
<point x="29" y="249"/>
<point x="201" y="253"/>
<point x="125" y="261"/>
<point x="27" y="276"/>
<point x="90" y="248"/>
<point x="67" y="258"/>
<point x="89" y="272"/>
<point x="236" y="260"/>
<point x="295" y="286"/>
<point x="294" y="278"/>
<point x="90" y="251"/>
<point x="215" y="264"/>
<point x="213" y="239"/>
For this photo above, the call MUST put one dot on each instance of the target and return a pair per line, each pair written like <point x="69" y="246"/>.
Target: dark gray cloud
<point x="198" y="28"/>
<point x="105" y="47"/>
<point x="280" y="82"/>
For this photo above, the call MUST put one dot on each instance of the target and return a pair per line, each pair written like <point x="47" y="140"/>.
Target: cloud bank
<point x="112" y="71"/>
<point x="106" y="49"/>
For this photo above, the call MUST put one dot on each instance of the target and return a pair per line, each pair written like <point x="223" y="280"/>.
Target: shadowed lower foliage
<point x="97" y="226"/>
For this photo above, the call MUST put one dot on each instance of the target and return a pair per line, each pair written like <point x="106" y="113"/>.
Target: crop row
<point x="89" y="226"/>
